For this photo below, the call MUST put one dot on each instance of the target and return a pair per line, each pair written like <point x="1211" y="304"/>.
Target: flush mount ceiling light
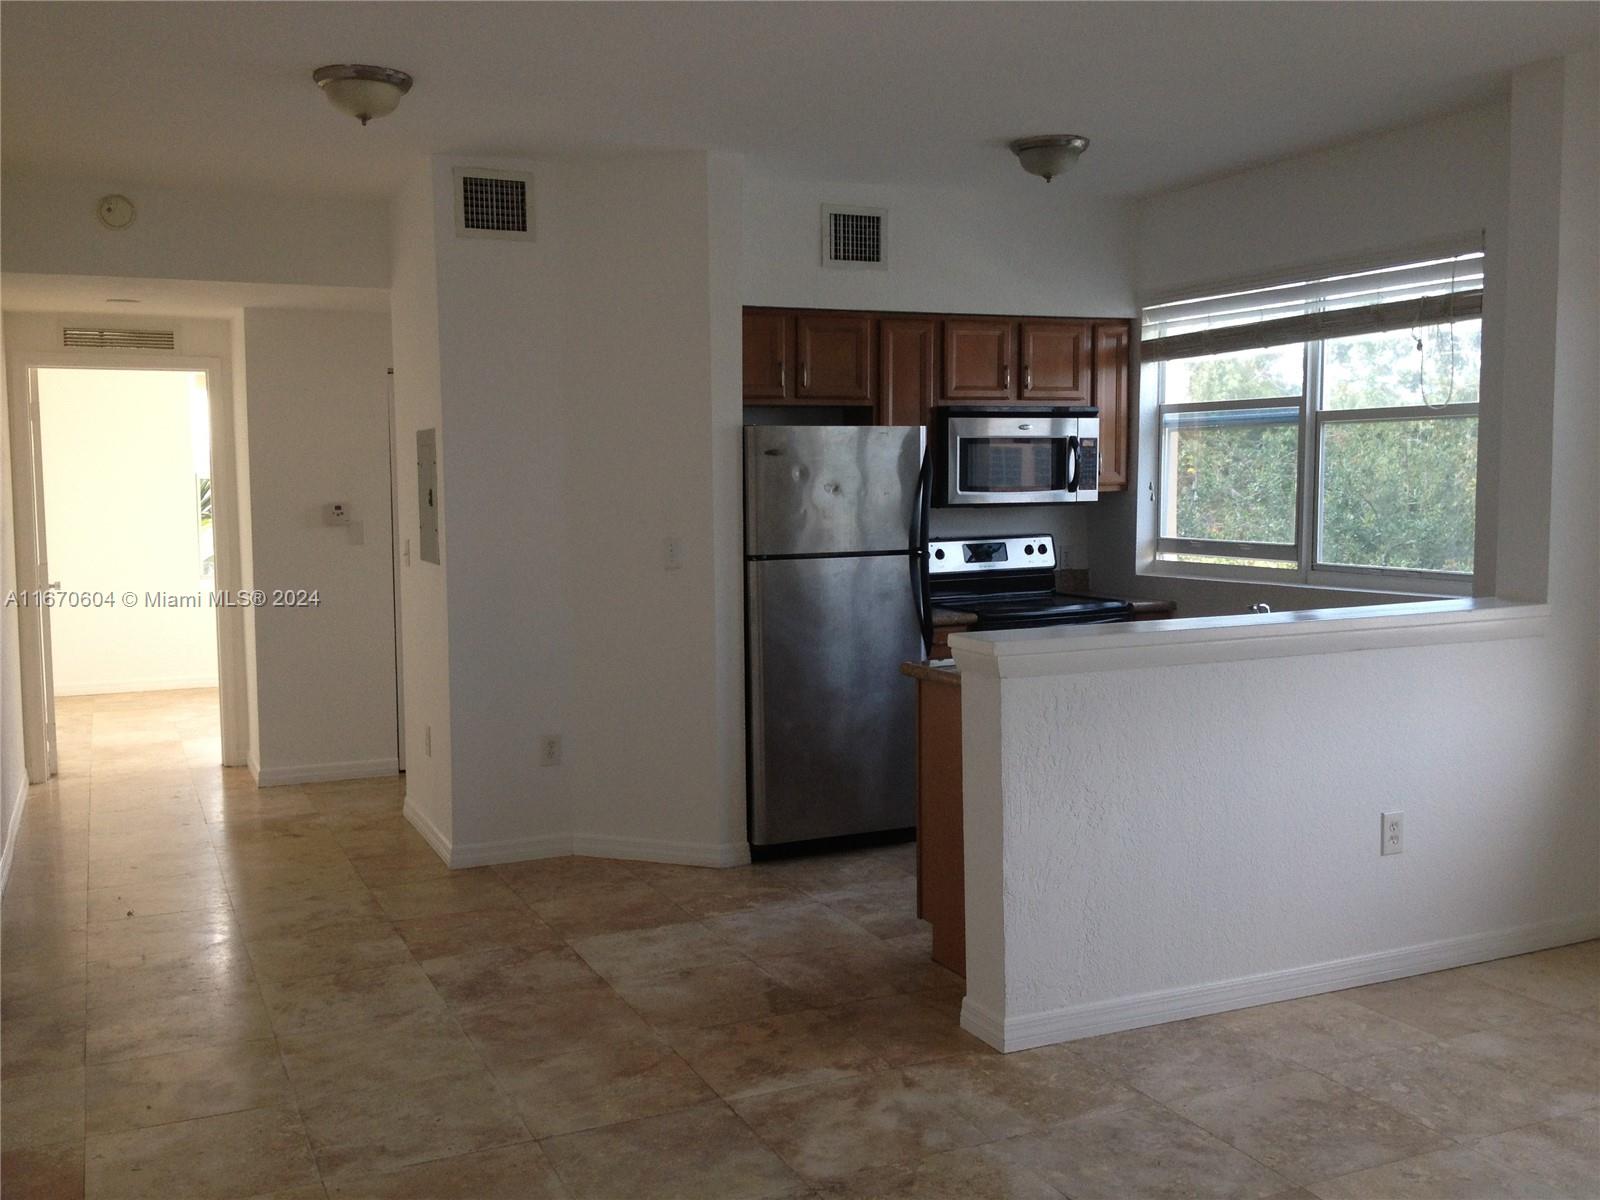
<point x="1048" y="156"/>
<point x="362" y="91"/>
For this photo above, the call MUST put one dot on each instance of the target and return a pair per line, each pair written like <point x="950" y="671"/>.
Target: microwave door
<point x="1009" y="460"/>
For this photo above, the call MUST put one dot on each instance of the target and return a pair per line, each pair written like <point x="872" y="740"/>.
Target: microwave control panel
<point x="1088" y="464"/>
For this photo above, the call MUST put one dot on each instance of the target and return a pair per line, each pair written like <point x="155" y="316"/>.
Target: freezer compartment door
<point x="829" y="489"/>
<point x="832" y="720"/>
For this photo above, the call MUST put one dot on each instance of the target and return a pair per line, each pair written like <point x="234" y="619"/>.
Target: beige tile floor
<point x="212" y="991"/>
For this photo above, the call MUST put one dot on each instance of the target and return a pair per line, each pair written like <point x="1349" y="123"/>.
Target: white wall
<point x="120" y="470"/>
<point x="49" y="227"/>
<point x="657" y="756"/>
<point x="318" y="432"/>
<point x="585" y="414"/>
<point x="1217" y="844"/>
<point x="1022" y="247"/>
<point x="1383" y="194"/>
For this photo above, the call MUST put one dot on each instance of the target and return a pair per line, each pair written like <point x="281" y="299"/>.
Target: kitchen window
<point x="1322" y="431"/>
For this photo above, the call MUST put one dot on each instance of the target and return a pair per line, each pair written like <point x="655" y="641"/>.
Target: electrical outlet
<point x="1394" y="833"/>
<point x="427" y="740"/>
<point x="672" y="554"/>
<point x="550" y="750"/>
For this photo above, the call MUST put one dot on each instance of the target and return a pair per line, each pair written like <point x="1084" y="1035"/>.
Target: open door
<point x="33" y="573"/>
<point x="397" y="555"/>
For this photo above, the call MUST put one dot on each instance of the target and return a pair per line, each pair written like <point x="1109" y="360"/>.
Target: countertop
<point x="939" y="670"/>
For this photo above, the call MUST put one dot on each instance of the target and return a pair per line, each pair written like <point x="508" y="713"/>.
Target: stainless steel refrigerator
<point x="832" y="610"/>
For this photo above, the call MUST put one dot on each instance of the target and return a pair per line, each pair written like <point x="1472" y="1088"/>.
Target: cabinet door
<point x="978" y="360"/>
<point x="1112" y="396"/>
<point x="907" y="362"/>
<point x="834" y="357"/>
<point x="1056" y="362"/>
<point x="766" y="356"/>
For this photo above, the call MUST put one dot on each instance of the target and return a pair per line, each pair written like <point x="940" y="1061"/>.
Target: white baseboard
<point x="430" y="832"/>
<point x="363" y="768"/>
<point x="556" y="845"/>
<point x="13" y="828"/>
<point x="687" y="854"/>
<point x="117" y="687"/>
<point x="1027" y="1030"/>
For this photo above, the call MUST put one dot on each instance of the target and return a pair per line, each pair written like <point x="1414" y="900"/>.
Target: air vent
<point x="493" y="204"/>
<point x="852" y="237"/>
<point x="79" y="338"/>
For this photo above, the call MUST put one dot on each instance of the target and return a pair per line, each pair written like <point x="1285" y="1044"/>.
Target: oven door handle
<point x="1072" y="463"/>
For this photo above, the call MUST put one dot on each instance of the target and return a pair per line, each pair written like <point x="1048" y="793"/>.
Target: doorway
<point x="123" y="542"/>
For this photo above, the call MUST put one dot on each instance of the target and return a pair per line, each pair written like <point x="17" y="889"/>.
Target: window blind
<point x="1397" y="297"/>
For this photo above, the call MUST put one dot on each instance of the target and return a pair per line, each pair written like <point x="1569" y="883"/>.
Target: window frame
<point x="1303" y="561"/>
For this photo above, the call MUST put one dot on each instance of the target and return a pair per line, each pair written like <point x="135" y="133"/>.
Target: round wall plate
<point x="115" y="212"/>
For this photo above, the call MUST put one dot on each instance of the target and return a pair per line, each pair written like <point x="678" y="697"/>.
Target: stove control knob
<point x="938" y="553"/>
<point x="1028" y="549"/>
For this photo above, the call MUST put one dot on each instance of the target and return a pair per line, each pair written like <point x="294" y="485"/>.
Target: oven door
<point x="1015" y="459"/>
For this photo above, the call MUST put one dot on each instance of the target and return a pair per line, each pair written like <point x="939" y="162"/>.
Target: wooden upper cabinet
<point x="1056" y="362"/>
<point x="979" y="360"/>
<point x="907" y="370"/>
<point x="767" y="346"/>
<point x="834" y="358"/>
<point x="1113" y="396"/>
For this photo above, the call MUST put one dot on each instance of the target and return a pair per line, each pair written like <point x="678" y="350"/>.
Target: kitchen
<point x="941" y="360"/>
<point x="875" y="439"/>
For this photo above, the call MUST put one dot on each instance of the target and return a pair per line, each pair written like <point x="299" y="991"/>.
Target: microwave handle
<point x="1072" y="464"/>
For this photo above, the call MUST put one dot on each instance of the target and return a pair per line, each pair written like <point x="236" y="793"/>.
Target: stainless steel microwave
<point x="1015" y="456"/>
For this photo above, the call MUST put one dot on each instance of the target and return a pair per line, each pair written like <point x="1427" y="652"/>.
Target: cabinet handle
<point x="783" y="376"/>
<point x="1005" y="382"/>
<point x="805" y="373"/>
<point x="1027" y="378"/>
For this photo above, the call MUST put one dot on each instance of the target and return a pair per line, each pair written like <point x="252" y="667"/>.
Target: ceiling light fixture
<point x="362" y="91"/>
<point x="1048" y="156"/>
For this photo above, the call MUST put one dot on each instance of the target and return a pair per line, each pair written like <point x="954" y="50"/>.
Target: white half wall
<point x="318" y="432"/>
<point x="1187" y="837"/>
<point x="120" y="481"/>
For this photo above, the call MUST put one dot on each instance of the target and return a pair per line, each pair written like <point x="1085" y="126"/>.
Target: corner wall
<point x="587" y="411"/>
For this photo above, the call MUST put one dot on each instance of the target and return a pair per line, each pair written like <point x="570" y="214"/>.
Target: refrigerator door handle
<point x="919" y="555"/>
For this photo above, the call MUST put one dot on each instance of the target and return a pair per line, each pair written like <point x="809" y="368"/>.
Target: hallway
<point x="215" y="991"/>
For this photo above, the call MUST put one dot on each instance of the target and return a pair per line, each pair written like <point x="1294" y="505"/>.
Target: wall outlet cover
<point x="1394" y="833"/>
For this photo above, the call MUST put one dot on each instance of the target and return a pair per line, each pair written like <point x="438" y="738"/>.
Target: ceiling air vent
<point x="852" y="237"/>
<point x="81" y="338"/>
<point x="493" y="204"/>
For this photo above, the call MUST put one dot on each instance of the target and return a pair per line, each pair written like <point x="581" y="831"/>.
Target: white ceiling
<point x="217" y="94"/>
